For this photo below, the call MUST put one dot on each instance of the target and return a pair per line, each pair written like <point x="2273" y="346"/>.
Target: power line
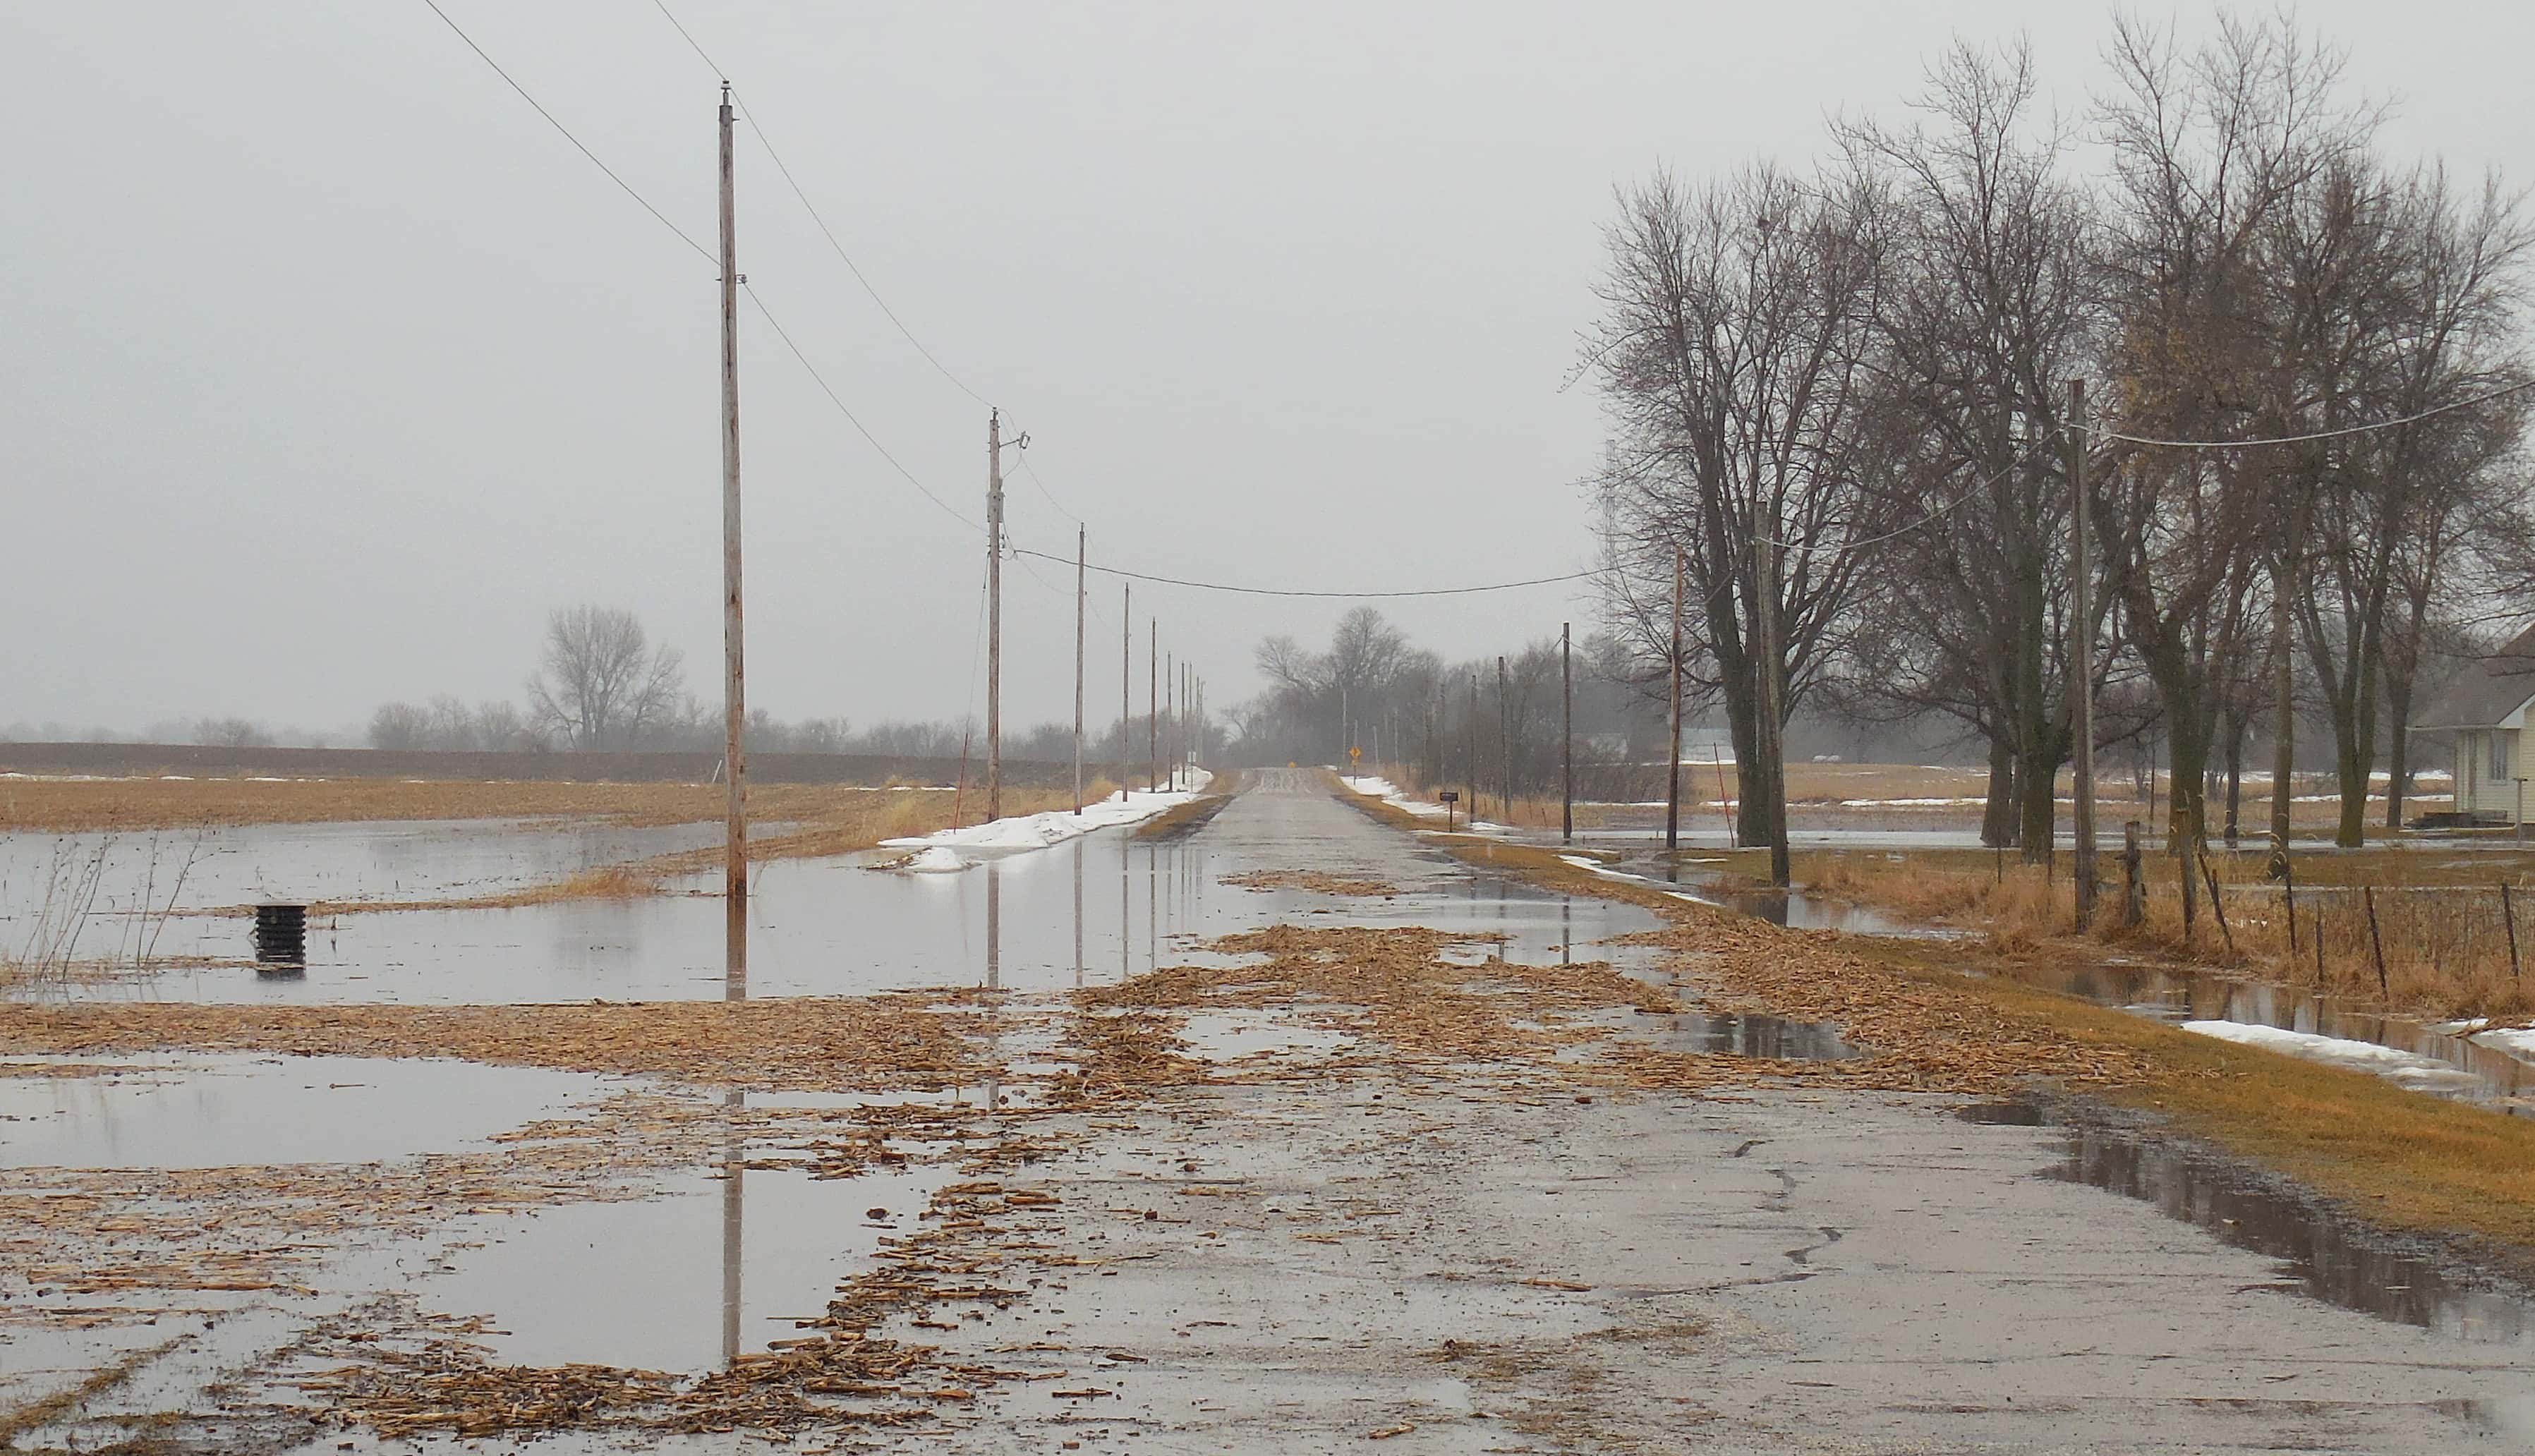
<point x="566" y="132"/>
<point x="2394" y="424"/>
<point x="812" y="209"/>
<point x="1957" y="504"/>
<point x="1292" y="592"/>
<point x="850" y="418"/>
<point x="1032" y="471"/>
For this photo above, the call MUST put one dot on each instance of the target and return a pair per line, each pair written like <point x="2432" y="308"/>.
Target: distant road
<point x="143" y="760"/>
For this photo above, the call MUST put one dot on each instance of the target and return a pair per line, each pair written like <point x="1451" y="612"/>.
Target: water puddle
<point x="178" y="1111"/>
<point x="2324" y="1253"/>
<point x="712" y="1266"/>
<point x="1773" y="1036"/>
<point x="2416" y="1055"/>
<point x="1225" y="1036"/>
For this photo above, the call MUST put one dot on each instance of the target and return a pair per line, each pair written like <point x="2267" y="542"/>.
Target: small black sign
<point x="1449" y="797"/>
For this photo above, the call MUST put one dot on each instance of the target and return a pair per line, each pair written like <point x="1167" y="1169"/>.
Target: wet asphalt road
<point x="1787" y="1271"/>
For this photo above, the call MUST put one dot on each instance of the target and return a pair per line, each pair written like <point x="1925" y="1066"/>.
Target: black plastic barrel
<point x="282" y="937"/>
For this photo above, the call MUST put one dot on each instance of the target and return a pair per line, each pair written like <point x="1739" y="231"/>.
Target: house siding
<point x="2483" y="787"/>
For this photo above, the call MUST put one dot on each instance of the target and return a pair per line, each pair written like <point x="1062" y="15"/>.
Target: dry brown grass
<point x="2445" y="939"/>
<point x="1316" y="881"/>
<point x="804" y="1042"/>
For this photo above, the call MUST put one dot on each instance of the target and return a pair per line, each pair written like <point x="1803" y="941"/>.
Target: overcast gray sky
<point x="329" y="367"/>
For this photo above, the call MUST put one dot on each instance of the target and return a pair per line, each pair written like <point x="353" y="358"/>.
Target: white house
<point x="2486" y="710"/>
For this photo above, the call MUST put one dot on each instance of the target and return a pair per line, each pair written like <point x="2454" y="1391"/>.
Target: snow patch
<point x="2406" y="1068"/>
<point x="1030" y="831"/>
<point x="935" y="858"/>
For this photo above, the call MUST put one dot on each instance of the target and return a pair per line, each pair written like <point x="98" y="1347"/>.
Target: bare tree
<point x="2206" y="148"/>
<point x="602" y="683"/>
<point x="1993" y="304"/>
<point x="1734" y="353"/>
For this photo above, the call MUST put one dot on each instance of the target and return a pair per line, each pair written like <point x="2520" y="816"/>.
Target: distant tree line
<point x="602" y="683"/>
<point x="1840" y="408"/>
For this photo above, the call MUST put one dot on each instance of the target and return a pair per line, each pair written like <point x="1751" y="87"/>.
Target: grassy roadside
<point x="2432" y="915"/>
<point x="1184" y="817"/>
<point x="2401" y="1159"/>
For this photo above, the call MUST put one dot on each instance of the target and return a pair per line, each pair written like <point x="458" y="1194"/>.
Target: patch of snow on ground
<point x="936" y="858"/>
<point x="2400" y="1067"/>
<point x="1388" y="793"/>
<point x="1039" y="830"/>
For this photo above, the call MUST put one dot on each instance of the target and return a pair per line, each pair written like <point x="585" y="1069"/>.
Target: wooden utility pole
<point x="1768" y="718"/>
<point x="1505" y="746"/>
<point x="1153" y="705"/>
<point x="1082" y="603"/>
<point x="994" y="615"/>
<point x="2081" y="635"/>
<point x="1672" y="770"/>
<point x="734" y="697"/>
<point x="1474" y="751"/>
<point x="1170" y="715"/>
<point x="1126" y="688"/>
<point x="1567" y="699"/>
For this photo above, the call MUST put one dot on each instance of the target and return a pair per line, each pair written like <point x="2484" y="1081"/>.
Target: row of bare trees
<point x="1842" y="410"/>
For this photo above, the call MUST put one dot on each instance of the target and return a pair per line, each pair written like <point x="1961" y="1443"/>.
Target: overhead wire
<point x="837" y="401"/>
<point x="1299" y="591"/>
<point x="855" y="420"/>
<point x="803" y="196"/>
<point x="2347" y="430"/>
<point x="565" y="132"/>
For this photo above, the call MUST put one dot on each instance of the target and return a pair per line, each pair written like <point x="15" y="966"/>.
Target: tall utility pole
<point x="1505" y="745"/>
<point x="1125" y="688"/>
<point x="2082" y="630"/>
<point x="1672" y="771"/>
<point x="1567" y="699"/>
<point x="1082" y="603"/>
<point x="994" y="614"/>
<point x="1170" y="714"/>
<point x="1153" y="705"/>
<point x="734" y="699"/>
<point x="1474" y="749"/>
<point x="1769" y="720"/>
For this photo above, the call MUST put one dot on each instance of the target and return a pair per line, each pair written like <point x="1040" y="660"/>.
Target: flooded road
<point x="1307" y="1242"/>
<point x="1090" y="911"/>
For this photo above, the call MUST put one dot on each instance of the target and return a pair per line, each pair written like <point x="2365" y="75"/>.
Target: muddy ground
<point x="1301" y="1165"/>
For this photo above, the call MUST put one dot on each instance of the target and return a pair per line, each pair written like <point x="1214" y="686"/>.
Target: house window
<point x="2500" y="754"/>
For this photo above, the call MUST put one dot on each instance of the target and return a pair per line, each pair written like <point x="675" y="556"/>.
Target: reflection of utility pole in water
<point x="1567" y="932"/>
<point x="733" y="1170"/>
<point x="1078" y="912"/>
<point x="1153" y="909"/>
<point x="994" y="925"/>
<point x="1126" y="949"/>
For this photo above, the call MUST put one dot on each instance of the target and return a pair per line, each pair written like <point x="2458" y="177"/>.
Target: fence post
<point x="2217" y="906"/>
<point x="2288" y="900"/>
<point x="2509" y="915"/>
<point x="2134" y="890"/>
<point x="2375" y="946"/>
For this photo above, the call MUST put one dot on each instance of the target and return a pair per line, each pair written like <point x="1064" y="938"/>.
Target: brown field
<point x="125" y="804"/>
